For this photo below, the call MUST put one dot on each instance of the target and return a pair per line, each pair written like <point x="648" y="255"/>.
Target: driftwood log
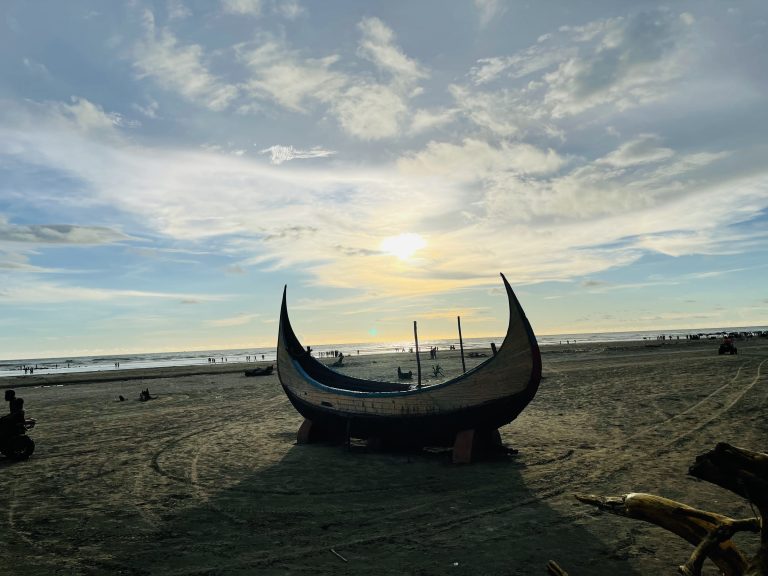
<point x="741" y="471"/>
<point x="554" y="569"/>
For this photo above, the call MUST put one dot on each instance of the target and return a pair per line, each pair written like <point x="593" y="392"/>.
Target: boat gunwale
<point x="377" y="394"/>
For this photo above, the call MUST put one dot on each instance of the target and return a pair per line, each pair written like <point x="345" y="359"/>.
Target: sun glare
<point x="403" y="246"/>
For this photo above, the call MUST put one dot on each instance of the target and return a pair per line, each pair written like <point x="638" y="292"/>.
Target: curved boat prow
<point x="475" y="403"/>
<point x="516" y="313"/>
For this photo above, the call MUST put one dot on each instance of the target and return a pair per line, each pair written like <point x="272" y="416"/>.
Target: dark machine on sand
<point x="14" y="442"/>
<point x="464" y="412"/>
<point x="727" y="347"/>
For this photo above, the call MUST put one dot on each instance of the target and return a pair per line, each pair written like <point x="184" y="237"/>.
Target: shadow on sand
<point x="331" y="510"/>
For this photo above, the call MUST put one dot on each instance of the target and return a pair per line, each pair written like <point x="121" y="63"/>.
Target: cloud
<point x="290" y="232"/>
<point x="19" y="243"/>
<point x="489" y="9"/>
<point x="599" y="189"/>
<point x="177" y="10"/>
<point x="371" y="111"/>
<point x="290" y="9"/>
<point x="36" y="68"/>
<point x="82" y="116"/>
<point x="242" y="7"/>
<point x="482" y="204"/>
<point x="237" y="320"/>
<point x="488" y="69"/>
<point x="623" y="62"/>
<point x="537" y="58"/>
<point x="279" y="154"/>
<point x="150" y="110"/>
<point x="687" y="18"/>
<point x="505" y="113"/>
<point x="179" y="68"/>
<point x="609" y="65"/>
<point x="285" y="77"/>
<point x="642" y="150"/>
<point x="377" y="45"/>
<point x="476" y="160"/>
<point x="18" y="262"/>
<point x="364" y="108"/>
<point x="375" y="111"/>
<point x="37" y="292"/>
<point x="426" y="120"/>
<point x="59" y="234"/>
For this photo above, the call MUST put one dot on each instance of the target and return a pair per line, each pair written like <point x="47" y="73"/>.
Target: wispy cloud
<point x="426" y="120"/>
<point x="36" y="68"/>
<point x="622" y="62"/>
<point x="59" y="234"/>
<point x="489" y="9"/>
<point x="284" y="76"/>
<point x="643" y="149"/>
<point x="535" y="59"/>
<point x="177" y="10"/>
<point x="35" y="291"/>
<point x="178" y="67"/>
<point x="364" y="108"/>
<point x="238" y="320"/>
<point x="150" y="110"/>
<point x="290" y="9"/>
<point x="613" y="64"/>
<point x="377" y="44"/>
<point x="242" y="7"/>
<point x="279" y="154"/>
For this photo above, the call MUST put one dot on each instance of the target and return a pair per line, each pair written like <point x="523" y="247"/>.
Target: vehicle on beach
<point x="14" y="442"/>
<point x="465" y="411"/>
<point x="727" y="347"/>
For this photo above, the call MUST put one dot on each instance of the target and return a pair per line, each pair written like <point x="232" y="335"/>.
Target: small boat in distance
<point x="464" y="412"/>
<point x="266" y="371"/>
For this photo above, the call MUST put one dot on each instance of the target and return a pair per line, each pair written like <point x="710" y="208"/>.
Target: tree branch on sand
<point x="741" y="471"/>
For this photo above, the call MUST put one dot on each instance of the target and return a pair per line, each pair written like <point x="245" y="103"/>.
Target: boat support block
<point x="303" y="436"/>
<point x="472" y="444"/>
<point x="310" y="433"/>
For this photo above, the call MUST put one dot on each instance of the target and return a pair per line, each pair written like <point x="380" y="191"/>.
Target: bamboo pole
<point x="418" y="360"/>
<point x="461" y="345"/>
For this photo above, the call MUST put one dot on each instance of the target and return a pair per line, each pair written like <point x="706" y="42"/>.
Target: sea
<point x="63" y="365"/>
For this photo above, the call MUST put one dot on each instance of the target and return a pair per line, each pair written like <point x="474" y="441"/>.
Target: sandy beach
<point x="207" y="477"/>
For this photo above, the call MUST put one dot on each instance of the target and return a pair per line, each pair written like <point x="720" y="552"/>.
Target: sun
<point x="403" y="246"/>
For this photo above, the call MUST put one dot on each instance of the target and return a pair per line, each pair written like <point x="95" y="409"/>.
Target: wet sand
<point x="207" y="478"/>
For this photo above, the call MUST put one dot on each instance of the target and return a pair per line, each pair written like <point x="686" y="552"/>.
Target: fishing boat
<point x="265" y="371"/>
<point x="464" y="412"/>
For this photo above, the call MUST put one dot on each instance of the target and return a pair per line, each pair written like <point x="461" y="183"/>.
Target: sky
<point x="167" y="167"/>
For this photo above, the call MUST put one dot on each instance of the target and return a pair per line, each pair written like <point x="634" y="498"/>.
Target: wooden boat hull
<point x="484" y="398"/>
<point x="418" y="430"/>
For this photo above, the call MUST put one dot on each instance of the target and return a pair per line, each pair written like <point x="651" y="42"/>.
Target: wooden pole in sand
<point x="461" y="345"/>
<point x="418" y="360"/>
